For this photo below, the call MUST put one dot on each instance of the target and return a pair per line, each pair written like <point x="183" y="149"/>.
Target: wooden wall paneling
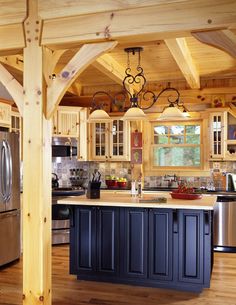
<point x="36" y="171"/>
<point x="86" y="55"/>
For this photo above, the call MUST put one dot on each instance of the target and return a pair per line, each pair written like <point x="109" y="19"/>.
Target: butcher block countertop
<point x="124" y="199"/>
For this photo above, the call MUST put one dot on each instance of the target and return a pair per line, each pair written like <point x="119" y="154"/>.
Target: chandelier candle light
<point x="136" y="97"/>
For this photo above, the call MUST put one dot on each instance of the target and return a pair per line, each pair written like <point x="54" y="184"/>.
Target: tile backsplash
<point x="216" y="179"/>
<point x="63" y="170"/>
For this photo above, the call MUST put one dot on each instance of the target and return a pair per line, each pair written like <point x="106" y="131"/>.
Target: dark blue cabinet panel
<point x="95" y="241"/>
<point x="191" y="241"/>
<point x="85" y="241"/>
<point x="135" y="242"/>
<point x="108" y="240"/>
<point x="160" y="244"/>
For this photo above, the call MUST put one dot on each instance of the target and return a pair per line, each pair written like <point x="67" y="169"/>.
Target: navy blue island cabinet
<point x="158" y="247"/>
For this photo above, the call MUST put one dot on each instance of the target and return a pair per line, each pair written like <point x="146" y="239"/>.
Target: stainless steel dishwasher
<point x="225" y="223"/>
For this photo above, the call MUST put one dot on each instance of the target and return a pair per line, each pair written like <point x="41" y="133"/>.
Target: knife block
<point x="93" y="190"/>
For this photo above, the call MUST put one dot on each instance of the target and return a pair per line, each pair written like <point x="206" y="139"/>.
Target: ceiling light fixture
<point x="134" y="89"/>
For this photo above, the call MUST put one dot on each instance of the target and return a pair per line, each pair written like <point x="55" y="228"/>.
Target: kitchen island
<point x="119" y="239"/>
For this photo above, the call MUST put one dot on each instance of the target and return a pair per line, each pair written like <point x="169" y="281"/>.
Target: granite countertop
<point x="123" y="199"/>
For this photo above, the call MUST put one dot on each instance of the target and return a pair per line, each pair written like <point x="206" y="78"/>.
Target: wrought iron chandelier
<point x="174" y="110"/>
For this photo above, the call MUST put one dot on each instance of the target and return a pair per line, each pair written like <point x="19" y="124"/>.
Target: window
<point x="176" y="145"/>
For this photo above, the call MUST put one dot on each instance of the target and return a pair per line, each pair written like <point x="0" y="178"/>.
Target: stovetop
<point x="67" y="191"/>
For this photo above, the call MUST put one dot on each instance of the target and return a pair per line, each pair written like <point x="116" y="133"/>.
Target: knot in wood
<point x="39" y="92"/>
<point x="41" y="298"/>
<point x="45" y="219"/>
<point x="23" y="296"/>
<point x="65" y="74"/>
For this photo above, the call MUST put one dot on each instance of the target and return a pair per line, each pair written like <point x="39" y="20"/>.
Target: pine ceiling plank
<point x="13" y="87"/>
<point x="222" y="39"/>
<point x="181" y="53"/>
<point x="81" y="60"/>
<point x="117" y="24"/>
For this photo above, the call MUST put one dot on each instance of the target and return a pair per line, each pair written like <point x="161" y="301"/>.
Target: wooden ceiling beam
<point x="15" y="61"/>
<point x="11" y="37"/>
<point x="81" y="60"/>
<point x="13" y="87"/>
<point x="50" y="59"/>
<point x="182" y="55"/>
<point x="110" y="67"/>
<point x="48" y="9"/>
<point x="116" y="24"/>
<point x="224" y="40"/>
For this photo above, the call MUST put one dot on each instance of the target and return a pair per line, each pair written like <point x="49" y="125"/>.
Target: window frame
<point x="179" y="168"/>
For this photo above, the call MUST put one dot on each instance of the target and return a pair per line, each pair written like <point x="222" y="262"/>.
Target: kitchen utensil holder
<point x="93" y="190"/>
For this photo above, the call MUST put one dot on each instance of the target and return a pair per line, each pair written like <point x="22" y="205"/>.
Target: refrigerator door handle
<point x="9" y="171"/>
<point x="4" y="174"/>
<point x="1" y="170"/>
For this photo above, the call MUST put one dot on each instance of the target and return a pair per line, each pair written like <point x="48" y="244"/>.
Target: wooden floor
<point x="68" y="291"/>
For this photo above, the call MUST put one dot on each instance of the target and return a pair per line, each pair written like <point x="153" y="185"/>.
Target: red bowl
<point x="111" y="183"/>
<point x="185" y="196"/>
<point x="122" y="184"/>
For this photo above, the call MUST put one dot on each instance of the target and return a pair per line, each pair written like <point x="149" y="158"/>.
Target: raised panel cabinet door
<point x="68" y="123"/>
<point x="107" y="240"/>
<point x="135" y="234"/>
<point x="160" y="244"/>
<point x="83" y="251"/>
<point x="191" y="252"/>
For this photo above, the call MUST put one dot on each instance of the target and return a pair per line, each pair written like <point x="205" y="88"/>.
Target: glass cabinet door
<point x="217" y="122"/>
<point x="117" y="138"/>
<point x="100" y="141"/>
<point x="110" y="141"/>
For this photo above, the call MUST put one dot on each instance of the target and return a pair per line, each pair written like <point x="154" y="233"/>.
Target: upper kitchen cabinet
<point x="66" y="122"/>
<point x="222" y="124"/>
<point x="71" y="122"/>
<point x="110" y="141"/>
<point x="15" y="121"/>
<point x="5" y="115"/>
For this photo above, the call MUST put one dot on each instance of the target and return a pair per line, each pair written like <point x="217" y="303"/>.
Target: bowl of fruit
<point x="122" y="182"/>
<point x="111" y="181"/>
<point x="185" y="192"/>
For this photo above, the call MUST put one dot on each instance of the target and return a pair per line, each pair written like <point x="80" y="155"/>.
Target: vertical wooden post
<point x="36" y="171"/>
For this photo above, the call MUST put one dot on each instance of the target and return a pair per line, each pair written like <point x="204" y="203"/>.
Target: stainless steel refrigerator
<point x="9" y="198"/>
